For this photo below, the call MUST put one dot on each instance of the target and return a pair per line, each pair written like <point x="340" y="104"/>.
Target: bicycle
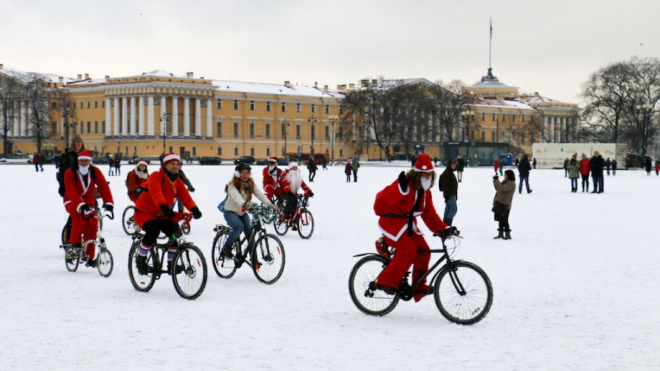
<point x="189" y="272"/>
<point x="462" y="291"/>
<point x="66" y="230"/>
<point x="301" y="218"/>
<point x="267" y="257"/>
<point x="73" y="256"/>
<point x="130" y="227"/>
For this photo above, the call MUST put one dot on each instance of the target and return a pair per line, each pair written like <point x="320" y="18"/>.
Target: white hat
<point x="292" y="164"/>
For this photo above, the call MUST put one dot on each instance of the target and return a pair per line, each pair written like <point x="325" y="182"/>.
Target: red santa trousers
<point x="83" y="230"/>
<point x="406" y="255"/>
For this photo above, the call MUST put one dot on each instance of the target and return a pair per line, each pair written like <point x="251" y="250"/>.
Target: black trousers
<point x="503" y="220"/>
<point x="153" y="228"/>
<point x="290" y="201"/>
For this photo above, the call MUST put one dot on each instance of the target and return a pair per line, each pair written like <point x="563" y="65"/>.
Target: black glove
<point x="310" y="194"/>
<point x="109" y="207"/>
<point x="191" y="189"/>
<point x="403" y="181"/>
<point x="167" y="211"/>
<point x="84" y="209"/>
<point x="196" y="213"/>
<point x="450" y="231"/>
<point x="61" y="191"/>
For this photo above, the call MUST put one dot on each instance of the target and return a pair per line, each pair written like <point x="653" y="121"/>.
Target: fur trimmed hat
<point x="423" y="164"/>
<point x="273" y="159"/>
<point x="169" y="157"/>
<point x="85" y="155"/>
<point x="291" y="165"/>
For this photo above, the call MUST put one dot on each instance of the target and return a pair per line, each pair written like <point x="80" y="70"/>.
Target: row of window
<point x="283" y="132"/>
<point x="253" y="106"/>
<point x="79" y="127"/>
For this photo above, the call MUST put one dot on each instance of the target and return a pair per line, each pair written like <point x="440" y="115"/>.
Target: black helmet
<point x="242" y="166"/>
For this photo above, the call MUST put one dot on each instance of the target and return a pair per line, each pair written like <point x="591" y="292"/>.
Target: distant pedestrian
<point x="648" y="166"/>
<point x="435" y="161"/>
<point x="42" y="160"/>
<point x="584" y="172"/>
<point x="502" y="203"/>
<point x="117" y="162"/>
<point x="574" y="172"/>
<point x="517" y="162"/>
<point x="608" y="163"/>
<point x="35" y="161"/>
<point x="413" y="159"/>
<point x="534" y="163"/>
<point x="524" y="167"/>
<point x="311" y="166"/>
<point x="355" y="165"/>
<point x="325" y="163"/>
<point x="496" y="165"/>
<point x="460" y="165"/>
<point x="566" y="168"/>
<point x="596" y="166"/>
<point x="111" y="163"/>
<point x="614" y="167"/>
<point x="501" y="162"/>
<point x="657" y="167"/>
<point x="449" y="188"/>
<point x="348" y="170"/>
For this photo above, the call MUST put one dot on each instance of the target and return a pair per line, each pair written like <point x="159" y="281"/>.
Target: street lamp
<point x="312" y="120"/>
<point x="333" y="119"/>
<point x="163" y="127"/>
<point x="467" y="116"/>
<point x="645" y="110"/>
<point x="285" y="125"/>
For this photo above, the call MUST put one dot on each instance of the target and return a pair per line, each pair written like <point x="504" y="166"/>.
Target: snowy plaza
<point x="575" y="289"/>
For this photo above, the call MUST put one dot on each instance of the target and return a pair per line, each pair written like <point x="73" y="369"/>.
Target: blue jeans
<point x="450" y="208"/>
<point x="238" y="224"/>
<point x="524" y="179"/>
<point x="598" y="184"/>
<point x="574" y="184"/>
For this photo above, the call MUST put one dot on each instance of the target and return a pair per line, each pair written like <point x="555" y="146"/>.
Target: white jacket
<point x="236" y="199"/>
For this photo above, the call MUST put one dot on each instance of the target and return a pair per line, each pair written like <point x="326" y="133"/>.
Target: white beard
<point x="141" y="174"/>
<point x="83" y="170"/>
<point x="294" y="177"/>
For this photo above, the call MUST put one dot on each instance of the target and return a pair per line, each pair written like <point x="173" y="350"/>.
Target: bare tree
<point x="10" y="90"/>
<point x="448" y="100"/>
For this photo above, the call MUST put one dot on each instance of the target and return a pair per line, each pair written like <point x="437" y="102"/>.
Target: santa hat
<point x="85" y="155"/>
<point x="141" y="162"/>
<point x="273" y="159"/>
<point x="169" y="157"/>
<point x="423" y="164"/>
<point x="292" y="164"/>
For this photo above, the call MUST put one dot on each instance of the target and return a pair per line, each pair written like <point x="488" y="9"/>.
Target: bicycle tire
<point x="268" y="259"/>
<point x="361" y="287"/>
<point x="224" y="268"/>
<point x="128" y="221"/>
<point x="66" y="233"/>
<point x="306" y="223"/>
<point x="280" y="226"/>
<point x="471" y="305"/>
<point x="185" y="227"/>
<point x="105" y="263"/>
<point x="142" y="283"/>
<point x="71" y="259"/>
<point x="190" y="283"/>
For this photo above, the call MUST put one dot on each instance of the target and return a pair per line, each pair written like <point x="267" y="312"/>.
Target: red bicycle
<point x="301" y="219"/>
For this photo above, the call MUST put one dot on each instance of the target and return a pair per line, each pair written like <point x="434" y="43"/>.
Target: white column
<point x="28" y="115"/>
<point x="108" y="118"/>
<point x="198" y="117"/>
<point x="175" y="117"/>
<point x="2" y="120"/>
<point x="115" y="118"/>
<point x="150" y="118"/>
<point x="22" y="113"/>
<point x="186" y="117"/>
<point x="133" y="118"/>
<point x="142" y="118"/>
<point x="163" y="115"/>
<point x="209" y="118"/>
<point x="17" y="130"/>
<point x="124" y="116"/>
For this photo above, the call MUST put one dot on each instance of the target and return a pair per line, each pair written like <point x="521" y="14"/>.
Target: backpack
<point x="221" y="205"/>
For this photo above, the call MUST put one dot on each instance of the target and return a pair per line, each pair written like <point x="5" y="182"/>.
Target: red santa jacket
<point x="80" y="194"/>
<point x="160" y="190"/>
<point x="133" y="182"/>
<point x="286" y="187"/>
<point x="584" y="166"/>
<point x="271" y="180"/>
<point x="392" y="205"/>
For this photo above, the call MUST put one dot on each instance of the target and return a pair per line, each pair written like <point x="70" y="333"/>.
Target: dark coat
<point x="524" y="167"/>
<point x="68" y="160"/>
<point x="311" y="166"/>
<point x="448" y="184"/>
<point x="460" y="164"/>
<point x="614" y="164"/>
<point x="596" y="165"/>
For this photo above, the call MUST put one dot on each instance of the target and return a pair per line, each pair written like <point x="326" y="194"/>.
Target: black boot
<point x="141" y="264"/>
<point x="448" y="221"/>
<point x="500" y="234"/>
<point x="507" y="235"/>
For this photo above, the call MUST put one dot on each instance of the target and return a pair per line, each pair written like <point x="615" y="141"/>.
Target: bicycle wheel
<point x="72" y="258"/>
<point x="141" y="282"/>
<point x="281" y="226"/>
<point x="127" y="221"/>
<point x="66" y="233"/>
<point x="463" y="293"/>
<point x="105" y="263"/>
<point x="305" y="224"/>
<point x="268" y="259"/>
<point x="185" y="227"/>
<point x="225" y="268"/>
<point x="361" y="285"/>
<point x="190" y="283"/>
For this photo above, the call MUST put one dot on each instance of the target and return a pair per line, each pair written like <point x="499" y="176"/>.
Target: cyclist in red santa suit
<point x="291" y="183"/>
<point x="398" y="206"/>
<point x="80" y="183"/>
<point x="271" y="176"/>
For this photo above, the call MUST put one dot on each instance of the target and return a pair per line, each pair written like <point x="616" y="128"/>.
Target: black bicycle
<point x="266" y="252"/>
<point x="462" y="291"/>
<point x="74" y="255"/>
<point x="189" y="272"/>
<point x="301" y="219"/>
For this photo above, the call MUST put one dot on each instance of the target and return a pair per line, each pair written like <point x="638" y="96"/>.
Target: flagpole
<point x="490" y="44"/>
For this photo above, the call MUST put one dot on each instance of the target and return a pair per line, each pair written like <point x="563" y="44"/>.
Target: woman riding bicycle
<point x="80" y="182"/>
<point x="240" y="190"/>
<point x="398" y="206"/>
<point x="135" y="178"/>
<point x="290" y="183"/>
<point x="152" y="210"/>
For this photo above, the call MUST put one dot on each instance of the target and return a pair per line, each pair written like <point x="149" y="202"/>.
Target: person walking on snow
<point x="523" y="172"/>
<point x="449" y="188"/>
<point x="504" y="192"/>
<point x="574" y="172"/>
<point x="311" y="167"/>
<point x="584" y="172"/>
<point x="355" y="167"/>
<point x="348" y="170"/>
<point x="460" y="165"/>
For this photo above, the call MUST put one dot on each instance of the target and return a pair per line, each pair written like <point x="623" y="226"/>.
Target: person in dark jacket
<point x="534" y="163"/>
<point x="449" y="188"/>
<point x="608" y="163"/>
<point x="117" y="162"/>
<point x="614" y="167"/>
<point x="348" y="170"/>
<point x="311" y="166"/>
<point x="648" y="165"/>
<point x="566" y="168"/>
<point x="596" y="165"/>
<point x="69" y="159"/>
<point x="524" y="167"/>
<point x="355" y="166"/>
<point x="460" y="165"/>
<point x="502" y="203"/>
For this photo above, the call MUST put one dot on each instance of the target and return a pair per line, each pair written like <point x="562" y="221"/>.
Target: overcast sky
<point x="546" y="46"/>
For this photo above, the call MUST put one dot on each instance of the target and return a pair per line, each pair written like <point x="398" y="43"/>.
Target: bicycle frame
<point x="160" y="250"/>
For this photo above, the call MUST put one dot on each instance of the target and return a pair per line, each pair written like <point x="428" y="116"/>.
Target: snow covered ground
<point x="576" y="288"/>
